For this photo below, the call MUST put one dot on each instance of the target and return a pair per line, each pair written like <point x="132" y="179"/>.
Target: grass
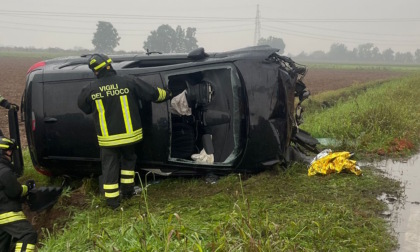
<point x="377" y="118"/>
<point x="31" y="173"/>
<point x="276" y="210"/>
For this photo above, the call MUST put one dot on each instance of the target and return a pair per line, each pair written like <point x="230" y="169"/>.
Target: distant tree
<point x="302" y="55"/>
<point x="105" y="38"/>
<point x="318" y="55"/>
<point x="163" y="40"/>
<point x="417" y="56"/>
<point x="166" y="39"/>
<point x="353" y="54"/>
<point x="376" y="54"/>
<point x="179" y="35"/>
<point x="273" y="42"/>
<point x="367" y="51"/>
<point x="404" y="58"/>
<point x="190" y="40"/>
<point x="388" y="55"/>
<point x="338" y="52"/>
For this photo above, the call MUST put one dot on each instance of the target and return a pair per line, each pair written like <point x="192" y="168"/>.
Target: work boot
<point x="128" y="194"/>
<point x="113" y="203"/>
<point x="114" y="207"/>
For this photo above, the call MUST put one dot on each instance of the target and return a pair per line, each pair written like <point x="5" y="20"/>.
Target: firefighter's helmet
<point x="98" y="62"/>
<point x="7" y="144"/>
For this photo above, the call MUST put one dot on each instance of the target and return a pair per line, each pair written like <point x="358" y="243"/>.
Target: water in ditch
<point x="405" y="213"/>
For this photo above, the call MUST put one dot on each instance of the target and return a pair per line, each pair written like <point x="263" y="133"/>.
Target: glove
<point x="30" y="184"/>
<point x="11" y="105"/>
<point x="6" y="104"/>
<point x="14" y="106"/>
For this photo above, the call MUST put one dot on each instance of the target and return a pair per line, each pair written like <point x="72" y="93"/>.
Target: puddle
<point x="405" y="215"/>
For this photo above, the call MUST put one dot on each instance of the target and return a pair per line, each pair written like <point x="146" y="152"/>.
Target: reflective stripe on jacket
<point x="114" y="102"/>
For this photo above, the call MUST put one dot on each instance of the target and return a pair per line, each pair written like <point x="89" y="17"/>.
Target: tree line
<point x="166" y="39"/>
<point x="366" y="52"/>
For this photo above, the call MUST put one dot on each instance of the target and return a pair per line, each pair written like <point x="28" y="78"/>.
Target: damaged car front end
<point x="273" y="86"/>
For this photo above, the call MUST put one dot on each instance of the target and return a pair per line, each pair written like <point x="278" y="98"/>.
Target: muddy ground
<point x="12" y="84"/>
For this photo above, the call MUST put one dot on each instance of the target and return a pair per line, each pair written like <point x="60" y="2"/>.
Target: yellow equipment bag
<point x="327" y="162"/>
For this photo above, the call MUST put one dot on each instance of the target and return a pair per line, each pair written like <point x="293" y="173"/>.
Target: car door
<point x="153" y="149"/>
<point x="69" y="133"/>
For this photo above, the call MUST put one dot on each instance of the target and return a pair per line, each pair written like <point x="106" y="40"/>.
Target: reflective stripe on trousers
<point x="127" y="177"/>
<point x="111" y="190"/>
<point x="11" y="217"/>
<point x="21" y="247"/>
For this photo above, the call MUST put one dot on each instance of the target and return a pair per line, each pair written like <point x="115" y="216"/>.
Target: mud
<point x="404" y="213"/>
<point x="320" y="80"/>
<point x="12" y="84"/>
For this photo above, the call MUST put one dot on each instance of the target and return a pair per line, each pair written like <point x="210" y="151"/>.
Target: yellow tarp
<point x="329" y="162"/>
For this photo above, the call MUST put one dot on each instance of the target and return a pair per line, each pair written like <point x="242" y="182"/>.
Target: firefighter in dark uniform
<point x="114" y="102"/>
<point x="13" y="223"/>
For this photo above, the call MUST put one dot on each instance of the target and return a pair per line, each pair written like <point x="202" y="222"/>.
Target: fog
<point x="304" y="25"/>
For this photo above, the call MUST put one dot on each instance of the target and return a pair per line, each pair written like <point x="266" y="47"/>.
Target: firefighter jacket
<point x="114" y="102"/>
<point x="11" y="192"/>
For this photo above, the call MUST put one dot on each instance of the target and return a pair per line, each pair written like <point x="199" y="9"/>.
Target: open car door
<point x="14" y="134"/>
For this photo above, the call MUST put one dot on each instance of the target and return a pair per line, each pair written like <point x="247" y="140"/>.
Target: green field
<point x="369" y="118"/>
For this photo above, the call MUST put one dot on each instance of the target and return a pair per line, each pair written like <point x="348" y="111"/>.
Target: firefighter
<point x="13" y="223"/>
<point x="114" y="102"/>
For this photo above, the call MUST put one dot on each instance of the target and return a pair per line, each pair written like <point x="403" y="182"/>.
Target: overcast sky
<point x="304" y="25"/>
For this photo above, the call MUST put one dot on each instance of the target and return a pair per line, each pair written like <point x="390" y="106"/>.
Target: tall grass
<point x="376" y="119"/>
<point x="274" y="211"/>
<point x="31" y="173"/>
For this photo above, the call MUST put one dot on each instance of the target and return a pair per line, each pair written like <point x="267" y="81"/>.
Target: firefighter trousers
<point x="118" y="165"/>
<point x="25" y="235"/>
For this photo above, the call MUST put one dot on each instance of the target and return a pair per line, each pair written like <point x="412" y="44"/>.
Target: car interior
<point x="209" y="97"/>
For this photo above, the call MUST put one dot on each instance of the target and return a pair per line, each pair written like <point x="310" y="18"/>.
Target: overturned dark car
<point x="252" y="107"/>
